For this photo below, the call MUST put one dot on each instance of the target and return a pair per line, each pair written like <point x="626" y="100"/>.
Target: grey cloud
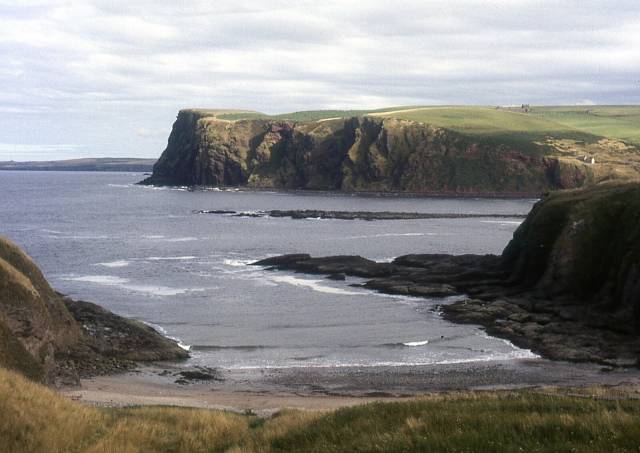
<point x="111" y="71"/>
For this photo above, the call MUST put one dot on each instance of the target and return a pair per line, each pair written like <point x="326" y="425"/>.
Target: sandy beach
<point x="265" y="391"/>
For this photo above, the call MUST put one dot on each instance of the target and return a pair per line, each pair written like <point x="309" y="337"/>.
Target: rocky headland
<point x="567" y="286"/>
<point x="361" y="154"/>
<point x="298" y="214"/>
<point x="56" y="340"/>
<point x="85" y="164"/>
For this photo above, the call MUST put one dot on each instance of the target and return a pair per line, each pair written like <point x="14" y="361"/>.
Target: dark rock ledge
<point x="112" y="343"/>
<point x="567" y="286"/>
<point x="559" y="329"/>
<point x="355" y="215"/>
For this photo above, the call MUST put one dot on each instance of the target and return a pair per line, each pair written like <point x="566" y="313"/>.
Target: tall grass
<point x="36" y="419"/>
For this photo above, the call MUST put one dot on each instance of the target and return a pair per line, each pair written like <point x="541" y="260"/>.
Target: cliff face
<point x="43" y="339"/>
<point x="355" y="154"/>
<point x="33" y="315"/>
<point x="567" y="286"/>
<point x="584" y="244"/>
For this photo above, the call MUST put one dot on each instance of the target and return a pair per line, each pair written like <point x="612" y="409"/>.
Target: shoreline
<point x="362" y="193"/>
<point x="266" y="391"/>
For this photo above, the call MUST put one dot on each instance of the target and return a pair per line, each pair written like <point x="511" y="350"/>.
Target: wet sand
<point x="265" y="391"/>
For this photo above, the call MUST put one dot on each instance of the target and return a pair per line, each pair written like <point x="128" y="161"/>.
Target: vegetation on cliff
<point x="38" y="420"/>
<point x="567" y="286"/>
<point x="585" y="244"/>
<point x="419" y="149"/>
<point x="54" y="339"/>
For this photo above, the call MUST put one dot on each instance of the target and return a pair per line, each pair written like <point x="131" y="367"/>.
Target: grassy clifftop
<point x="614" y="122"/>
<point x="457" y="150"/>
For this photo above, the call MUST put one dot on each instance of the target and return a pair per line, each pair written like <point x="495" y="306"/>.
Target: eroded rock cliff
<point x="353" y="154"/>
<point x="584" y="244"/>
<point x="54" y="339"/>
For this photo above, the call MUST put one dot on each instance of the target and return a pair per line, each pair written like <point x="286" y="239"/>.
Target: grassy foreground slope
<point x="36" y="419"/>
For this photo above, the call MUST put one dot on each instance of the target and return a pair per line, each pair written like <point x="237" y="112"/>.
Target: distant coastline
<point x="86" y="164"/>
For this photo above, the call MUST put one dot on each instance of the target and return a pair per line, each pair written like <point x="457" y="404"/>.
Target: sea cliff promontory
<point x="388" y="153"/>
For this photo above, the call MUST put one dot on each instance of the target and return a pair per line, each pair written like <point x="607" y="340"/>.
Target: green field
<point x="586" y="123"/>
<point x="619" y="122"/>
<point x="309" y="115"/>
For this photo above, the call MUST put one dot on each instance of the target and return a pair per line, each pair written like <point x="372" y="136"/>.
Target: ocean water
<point x="143" y="252"/>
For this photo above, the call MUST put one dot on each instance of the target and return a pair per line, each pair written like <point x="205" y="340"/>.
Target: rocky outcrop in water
<point x="567" y="286"/>
<point x="56" y="340"/>
<point x="298" y="214"/>
<point x="353" y="154"/>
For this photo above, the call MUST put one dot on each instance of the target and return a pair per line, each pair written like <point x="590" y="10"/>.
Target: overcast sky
<point x="107" y="77"/>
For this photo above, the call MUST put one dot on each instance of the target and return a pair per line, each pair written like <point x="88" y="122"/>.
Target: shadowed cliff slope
<point x="583" y="243"/>
<point x="51" y="338"/>
<point x="567" y="286"/>
<point x="32" y="314"/>
<point x="369" y="153"/>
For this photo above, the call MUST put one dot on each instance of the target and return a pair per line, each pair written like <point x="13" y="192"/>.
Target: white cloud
<point x="144" y="132"/>
<point x="94" y="67"/>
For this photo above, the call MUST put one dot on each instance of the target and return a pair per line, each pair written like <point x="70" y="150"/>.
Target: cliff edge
<point x="54" y="339"/>
<point x="583" y="244"/>
<point x="367" y="153"/>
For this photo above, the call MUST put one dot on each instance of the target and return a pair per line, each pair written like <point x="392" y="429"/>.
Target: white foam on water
<point x="314" y="285"/>
<point x="99" y="279"/>
<point x="45" y="230"/>
<point x="171" y="258"/>
<point x="386" y="235"/>
<point x="153" y="236"/>
<point x="385" y="259"/>
<point x="112" y="264"/>
<point x="252" y="213"/>
<point x="80" y="237"/>
<point x="126" y="186"/>
<point x="184" y="239"/>
<point x="124" y="283"/>
<point x="159" y="290"/>
<point x="497" y="357"/>
<point x="508" y="343"/>
<point x="151" y="187"/>
<point x="503" y="222"/>
<point x="237" y="263"/>
<point x="416" y="343"/>
<point x="186" y="347"/>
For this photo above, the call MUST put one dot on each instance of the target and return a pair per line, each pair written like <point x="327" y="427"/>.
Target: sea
<point x="146" y="253"/>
